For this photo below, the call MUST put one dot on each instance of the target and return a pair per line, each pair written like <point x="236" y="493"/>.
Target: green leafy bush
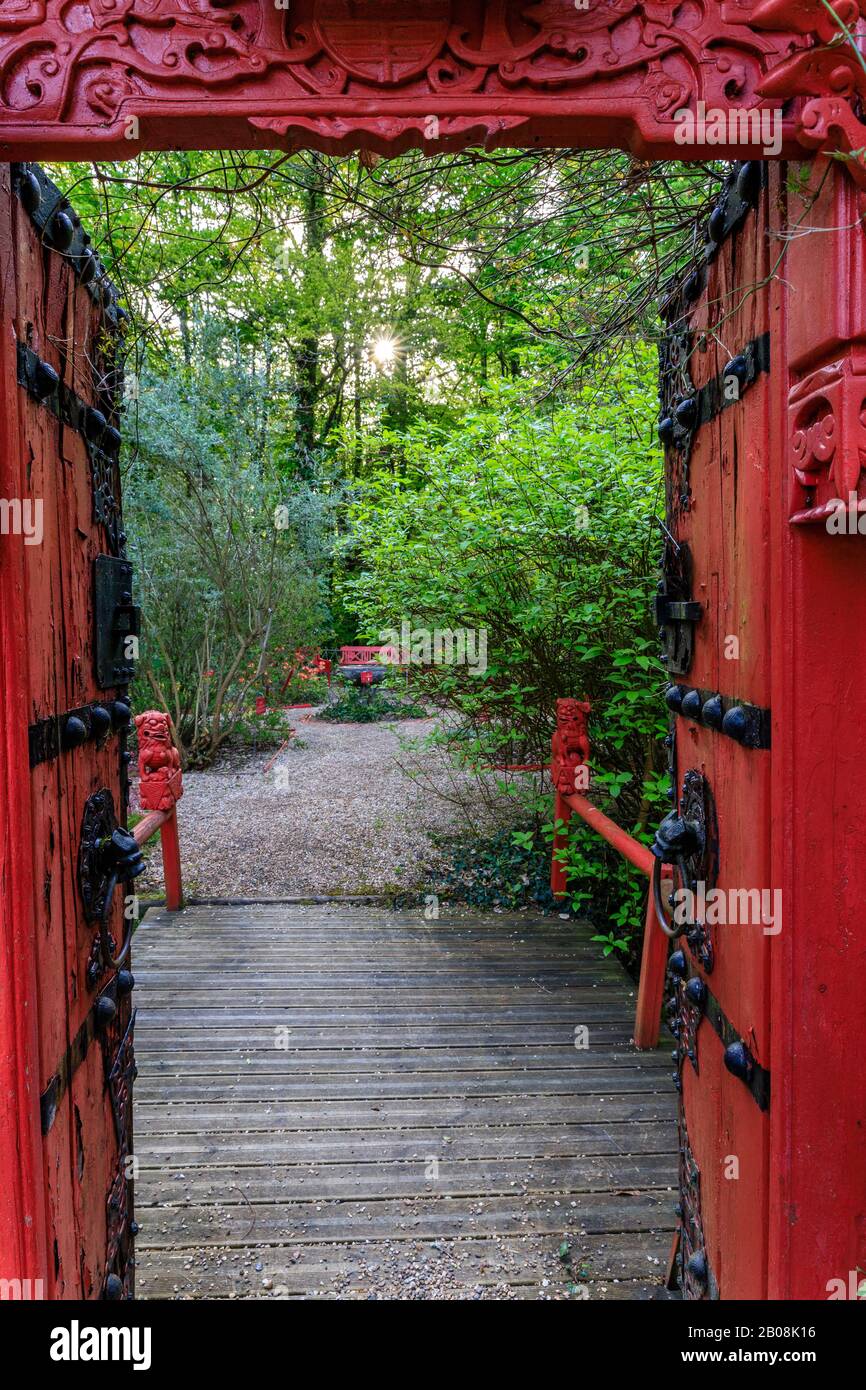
<point x="261" y="730"/>
<point x="358" y="706"/>
<point x="302" y="692"/>
<point x="505" y="870"/>
<point x="221" y="583"/>
<point x="538" y="530"/>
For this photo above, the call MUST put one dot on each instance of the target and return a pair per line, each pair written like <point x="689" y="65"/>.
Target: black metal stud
<point x="100" y="722"/>
<point x="74" y="733"/>
<point x="739" y="1061"/>
<point x="696" y="993"/>
<point x="736" y="724"/>
<point x="87" y="266"/>
<point x="45" y="380"/>
<point x="114" y="1288"/>
<point x="712" y="713"/>
<point x="30" y="192"/>
<point x="692" y="287"/>
<point x="666" y="430"/>
<point x="106" y="1010"/>
<point x="677" y="965"/>
<point x="125" y="982"/>
<point x="121" y="714"/>
<point x="749" y="181"/>
<point x="61" y="230"/>
<point x="716" y="227"/>
<point x="94" y="424"/>
<point x="691" y="705"/>
<point x="687" y="412"/>
<point x="674" y="697"/>
<point x="697" y="1267"/>
<point x="738" y="367"/>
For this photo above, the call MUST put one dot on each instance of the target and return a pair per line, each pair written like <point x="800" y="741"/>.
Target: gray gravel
<point x="335" y="816"/>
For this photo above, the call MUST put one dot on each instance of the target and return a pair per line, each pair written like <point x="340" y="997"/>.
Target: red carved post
<point x="160" y="789"/>
<point x="569" y="773"/>
<point x="653" y="968"/>
<point x="171" y="864"/>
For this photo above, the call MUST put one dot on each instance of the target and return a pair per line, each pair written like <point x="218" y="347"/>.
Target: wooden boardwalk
<point x="348" y="1102"/>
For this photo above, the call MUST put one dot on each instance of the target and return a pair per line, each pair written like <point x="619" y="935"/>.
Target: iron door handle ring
<point x="110" y="961"/>
<point x="670" y="929"/>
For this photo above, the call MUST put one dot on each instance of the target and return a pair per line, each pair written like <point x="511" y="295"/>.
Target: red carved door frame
<point x="123" y="75"/>
<point x="119" y="76"/>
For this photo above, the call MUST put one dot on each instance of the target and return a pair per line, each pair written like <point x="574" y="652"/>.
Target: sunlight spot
<point x="385" y="351"/>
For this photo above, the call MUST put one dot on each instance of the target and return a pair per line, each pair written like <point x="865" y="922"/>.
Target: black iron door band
<point x="695" y="408"/>
<point x="74" y="1055"/>
<point x="61" y="733"/>
<point x="41" y="381"/>
<point x="748" y="725"/>
<point x="101" y="439"/>
<point x="716" y="396"/>
<point x="60" y="228"/>
<point x="754" y="1077"/>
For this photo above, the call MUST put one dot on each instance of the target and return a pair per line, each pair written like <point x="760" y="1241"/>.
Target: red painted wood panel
<point x="818" y="967"/>
<point x="47" y="308"/>
<point x="726" y="528"/>
<point x="793" y="1218"/>
<point x="24" y="1251"/>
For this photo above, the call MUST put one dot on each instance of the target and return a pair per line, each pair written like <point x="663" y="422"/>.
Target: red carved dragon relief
<point x="830" y="74"/>
<point x="109" y="76"/>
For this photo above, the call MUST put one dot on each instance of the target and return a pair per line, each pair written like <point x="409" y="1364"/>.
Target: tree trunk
<point x="307" y="353"/>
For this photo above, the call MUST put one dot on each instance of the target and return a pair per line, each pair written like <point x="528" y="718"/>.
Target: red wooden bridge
<point x="763" y="364"/>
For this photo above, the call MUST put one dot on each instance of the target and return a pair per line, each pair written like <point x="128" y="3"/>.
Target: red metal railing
<point x="569" y="771"/>
<point x="160" y="789"/>
<point x="361" y="656"/>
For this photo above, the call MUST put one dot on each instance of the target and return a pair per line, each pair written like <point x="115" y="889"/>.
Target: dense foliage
<point x="363" y="395"/>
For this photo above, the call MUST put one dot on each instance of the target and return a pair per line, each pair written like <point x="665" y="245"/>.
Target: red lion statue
<point x="570" y="744"/>
<point x="158" y="762"/>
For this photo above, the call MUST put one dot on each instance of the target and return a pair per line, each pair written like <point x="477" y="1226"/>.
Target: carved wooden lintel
<point x="112" y="76"/>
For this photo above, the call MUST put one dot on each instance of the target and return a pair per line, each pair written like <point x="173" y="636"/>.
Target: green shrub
<point x="539" y="529"/>
<point x="505" y="870"/>
<point x="261" y="730"/>
<point x="356" y="705"/>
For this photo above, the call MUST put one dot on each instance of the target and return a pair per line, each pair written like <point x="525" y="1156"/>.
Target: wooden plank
<point x="176" y="1227"/>
<point x="385" y="1017"/>
<point x="277" y="1181"/>
<point x="362" y="1146"/>
<point x="208" y="1037"/>
<point x="374" y="1087"/>
<point x="193" y="1117"/>
<point x="431" y="1091"/>
<point x="505" y="1260"/>
<point x="504" y="1059"/>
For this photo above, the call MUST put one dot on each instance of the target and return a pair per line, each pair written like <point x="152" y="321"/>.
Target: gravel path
<point x="337" y="815"/>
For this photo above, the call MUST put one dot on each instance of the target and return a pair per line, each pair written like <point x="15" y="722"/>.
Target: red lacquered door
<point x="763" y="400"/>
<point x="67" y="587"/>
